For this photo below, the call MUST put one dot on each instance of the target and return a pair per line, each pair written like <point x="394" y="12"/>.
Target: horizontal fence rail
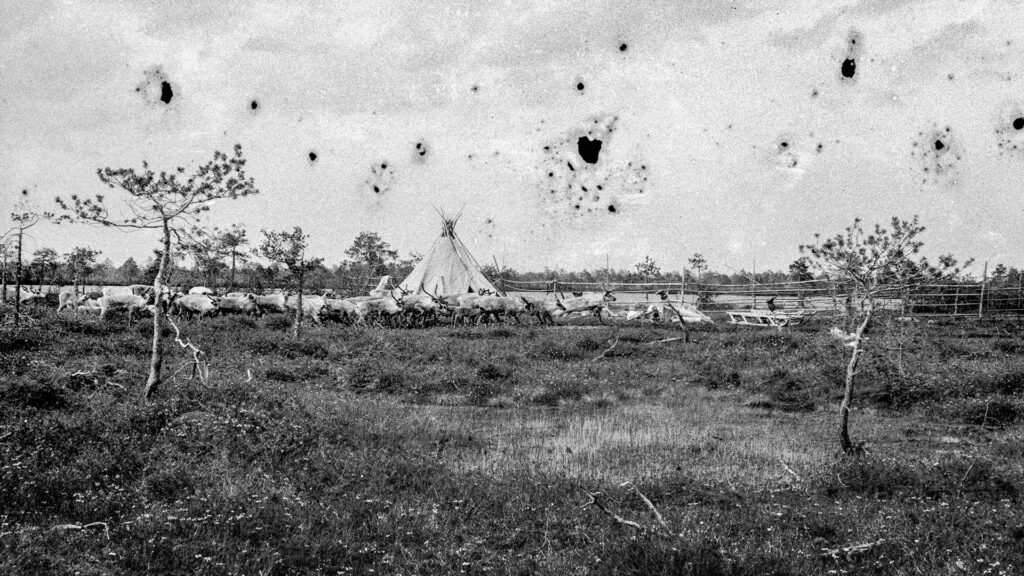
<point x="953" y="300"/>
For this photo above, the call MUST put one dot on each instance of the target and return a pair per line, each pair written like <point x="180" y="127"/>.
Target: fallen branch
<point x="597" y="499"/>
<point x="650" y="505"/>
<point x="850" y="551"/>
<point x="106" y="529"/>
<point x="790" y="470"/>
<point x="962" y="480"/>
<point x="199" y="364"/>
<point x="687" y="338"/>
<point x="610" y="348"/>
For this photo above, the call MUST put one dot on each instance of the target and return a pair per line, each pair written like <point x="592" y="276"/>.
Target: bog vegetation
<point x="510" y="449"/>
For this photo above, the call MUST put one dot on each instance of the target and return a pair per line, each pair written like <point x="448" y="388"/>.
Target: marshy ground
<point x="474" y="450"/>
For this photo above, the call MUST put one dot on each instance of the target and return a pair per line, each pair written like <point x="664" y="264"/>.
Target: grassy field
<point x="475" y="450"/>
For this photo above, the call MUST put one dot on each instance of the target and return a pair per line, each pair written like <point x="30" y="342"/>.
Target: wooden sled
<point x="768" y="318"/>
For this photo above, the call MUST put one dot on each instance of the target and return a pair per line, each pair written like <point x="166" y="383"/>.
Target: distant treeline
<point x="370" y="257"/>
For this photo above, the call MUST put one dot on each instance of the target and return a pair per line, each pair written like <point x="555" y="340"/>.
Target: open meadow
<point x="510" y="449"/>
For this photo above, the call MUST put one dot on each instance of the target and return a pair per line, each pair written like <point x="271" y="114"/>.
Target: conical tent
<point x="448" y="268"/>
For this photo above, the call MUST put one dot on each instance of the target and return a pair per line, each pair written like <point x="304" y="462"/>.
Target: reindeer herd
<point x="384" y="306"/>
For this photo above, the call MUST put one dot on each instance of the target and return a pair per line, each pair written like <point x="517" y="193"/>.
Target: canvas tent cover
<point x="448" y="268"/>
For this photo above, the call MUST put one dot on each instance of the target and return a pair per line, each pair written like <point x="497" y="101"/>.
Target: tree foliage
<point x="800" y="270"/>
<point x="882" y="259"/>
<point x="156" y="199"/>
<point x="647" y="268"/>
<point x="370" y="251"/>
<point x="44" y="264"/>
<point x="698" y="263"/>
<point x="80" y="263"/>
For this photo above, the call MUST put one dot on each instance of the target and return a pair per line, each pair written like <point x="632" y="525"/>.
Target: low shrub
<point x="295" y="373"/>
<point x="993" y="412"/>
<point x="646" y="555"/>
<point x="278" y="322"/>
<point x="306" y="347"/>
<point x="1008" y="346"/>
<point x="889" y="478"/>
<point x="1009" y="383"/>
<point x="557" y="390"/>
<point x="38" y="395"/>
<point x="714" y="377"/>
<point x="491" y="371"/>
<point x="24" y="340"/>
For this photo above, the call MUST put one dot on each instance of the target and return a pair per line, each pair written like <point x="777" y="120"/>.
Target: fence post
<point x="753" y="295"/>
<point x="981" y="296"/>
<point x="682" y="288"/>
<point x="956" y="301"/>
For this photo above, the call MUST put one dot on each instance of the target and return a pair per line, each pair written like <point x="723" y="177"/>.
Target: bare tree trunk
<point x="156" y="360"/>
<point x="3" y="280"/>
<point x="17" y="280"/>
<point x="296" y="328"/>
<point x="231" y="281"/>
<point x="851" y="373"/>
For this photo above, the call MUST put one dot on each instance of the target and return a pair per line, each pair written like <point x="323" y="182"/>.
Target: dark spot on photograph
<point x="623" y="47"/>
<point x="254" y="105"/>
<point x="854" y="42"/>
<point x="612" y="208"/>
<point x="419" y="152"/>
<point x="580" y="86"/>
<point x="849" y="68"/>
<point x="589" y="150"/>
<point x="156" y="87"/>
<point x="475" y="88"/>
<point x="166" y="93"/>
<point x="939" y="145"/>
<point x="312" y="156"/>
<point x="1018" y="123"/>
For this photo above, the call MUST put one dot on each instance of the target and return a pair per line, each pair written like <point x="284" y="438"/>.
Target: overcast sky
<point x="735" y="129"/>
